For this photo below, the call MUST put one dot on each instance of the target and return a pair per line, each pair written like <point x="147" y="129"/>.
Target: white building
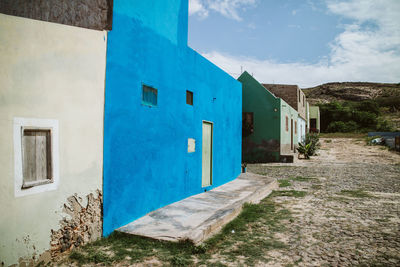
<point x="51" y="144"/>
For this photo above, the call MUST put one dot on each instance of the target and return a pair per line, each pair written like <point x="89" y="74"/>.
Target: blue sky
<point x="305" y="42"/>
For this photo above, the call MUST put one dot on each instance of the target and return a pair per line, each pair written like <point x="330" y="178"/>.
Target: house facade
<point x="269" y="132"/>
<point x="315" y="123"/>
<point x="295" y="97"/>
<point x="51" y="115"/>
<point x="172" y="118"/>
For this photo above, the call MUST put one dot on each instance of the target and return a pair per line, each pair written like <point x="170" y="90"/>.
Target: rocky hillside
<point x="385" y="95"/>
<point x="351" y="91"/>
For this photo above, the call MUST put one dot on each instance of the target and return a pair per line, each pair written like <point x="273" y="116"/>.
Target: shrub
<point x="354" y="116"/>
<point x="365" y="119"/>
<point x="309" y="146"/>
<point x="342" y="127"/>
<point x="384" y="126"/>
<point x="369" y="106"/>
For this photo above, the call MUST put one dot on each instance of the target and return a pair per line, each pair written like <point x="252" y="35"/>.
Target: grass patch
<point x="247" y="238"/>
<point x="355" y="193"/>
<point x="288" y="193"/>
<point x="250" y="235"/>
<point x="302" y="179"/>
<point x="284" y="183"/>
<point x="328" y="141"/>
<point x="119" y="247"/>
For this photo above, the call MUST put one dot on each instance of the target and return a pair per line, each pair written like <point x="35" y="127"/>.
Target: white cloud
<point x="227" y="8"/>
<point x="197" y="7"/>
<point x="359" y="53"/>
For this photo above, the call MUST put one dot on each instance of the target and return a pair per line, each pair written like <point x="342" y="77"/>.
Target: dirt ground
<point x="340" y="208"/>
<point x="351" y="213"/>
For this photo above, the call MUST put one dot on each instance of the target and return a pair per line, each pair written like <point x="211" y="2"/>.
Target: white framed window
<point x="36" y="156"/>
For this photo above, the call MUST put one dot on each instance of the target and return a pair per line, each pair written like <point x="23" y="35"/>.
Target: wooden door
<point x="206" y="179"/>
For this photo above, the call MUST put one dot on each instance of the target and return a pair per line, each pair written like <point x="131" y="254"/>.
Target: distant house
<point x="172" y="119"/>
<point x="315" y="119"/>
<point x="269" y="124"/>
<point x="51" y="116"/>
<point x="295" y="97"/>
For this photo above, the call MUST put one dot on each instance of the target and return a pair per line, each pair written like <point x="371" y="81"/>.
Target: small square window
<point x="149" y="95"/>
<point x="36" y="157"/>
<point x="189" y="98"/>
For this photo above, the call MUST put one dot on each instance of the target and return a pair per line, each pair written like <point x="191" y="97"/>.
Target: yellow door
<point x="206" y="178"/>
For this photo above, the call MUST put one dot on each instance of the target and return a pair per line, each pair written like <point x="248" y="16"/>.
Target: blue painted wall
<point x="146" y="163"/>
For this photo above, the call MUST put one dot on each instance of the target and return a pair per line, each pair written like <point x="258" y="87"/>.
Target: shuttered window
<point x="36" y="161"/>
<point x="149" y="95"/>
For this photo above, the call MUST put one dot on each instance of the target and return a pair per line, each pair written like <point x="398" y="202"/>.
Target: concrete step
<point x="200" y="216"/>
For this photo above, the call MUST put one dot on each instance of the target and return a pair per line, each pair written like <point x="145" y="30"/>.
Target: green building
<point x="269" y="133"/>
<point x="315" y="119"/>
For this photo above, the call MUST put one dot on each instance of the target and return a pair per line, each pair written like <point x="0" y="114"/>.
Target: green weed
<point x="284" y="183"/>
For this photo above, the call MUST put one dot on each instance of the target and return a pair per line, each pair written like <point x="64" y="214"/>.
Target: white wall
<point x="54" y="72"/>
<point x="301" y="129"/>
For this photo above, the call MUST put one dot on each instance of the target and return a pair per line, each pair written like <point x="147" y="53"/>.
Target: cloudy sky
<point x="306" y="42"/>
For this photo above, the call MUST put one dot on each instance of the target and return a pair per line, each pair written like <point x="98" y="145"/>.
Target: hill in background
<point x="351" y="91"/>
<point x="348" y="96"/>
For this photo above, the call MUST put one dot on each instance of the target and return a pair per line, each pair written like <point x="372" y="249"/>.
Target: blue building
<point x="173" y="120"/>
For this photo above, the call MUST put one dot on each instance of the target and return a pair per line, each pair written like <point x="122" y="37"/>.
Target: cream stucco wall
<point x="55" y="72"/>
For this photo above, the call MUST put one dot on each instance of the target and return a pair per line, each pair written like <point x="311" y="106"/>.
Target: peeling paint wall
<point x="55" y="72"/>
<point x="83" y="225"/>
<point x="146" y="160"/>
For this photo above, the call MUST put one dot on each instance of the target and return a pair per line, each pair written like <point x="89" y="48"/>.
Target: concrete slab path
<point x="198" y="217"/>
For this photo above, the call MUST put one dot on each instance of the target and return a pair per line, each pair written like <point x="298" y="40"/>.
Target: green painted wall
<point x="314" y="114"/>
<point x="263" y="144"/>
<point x="292" y="114"/>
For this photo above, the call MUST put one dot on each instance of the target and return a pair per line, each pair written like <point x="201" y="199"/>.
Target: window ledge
<point x="28" y="185"/>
